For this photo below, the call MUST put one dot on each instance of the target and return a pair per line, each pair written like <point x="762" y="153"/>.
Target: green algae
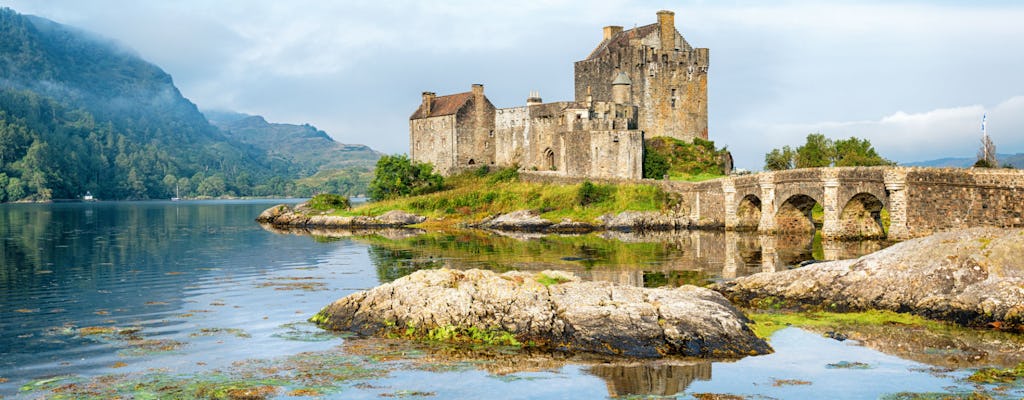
<point x="998" y="375"/>
<point x="548" y="280"/>
<point x="307" y="332"/>
<point x="767" y="323"/>
<point x="304" y="374"/>
<point x="241" y="333"/>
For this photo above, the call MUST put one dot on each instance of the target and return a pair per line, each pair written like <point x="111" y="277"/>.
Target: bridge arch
<point x="795" y="214"/>
<point x="748" y="213"/>
<point x="861" y="217"/>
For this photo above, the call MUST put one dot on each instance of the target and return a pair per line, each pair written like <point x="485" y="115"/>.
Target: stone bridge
<point x="855" y="201"/>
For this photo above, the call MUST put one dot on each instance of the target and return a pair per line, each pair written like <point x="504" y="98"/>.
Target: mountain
<point x="304" y="145"/>
<point x="80" y="113"/>
<point x="1015" y="160"/>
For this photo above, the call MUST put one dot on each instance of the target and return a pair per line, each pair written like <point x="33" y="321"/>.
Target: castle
<point x="646" y="81"/>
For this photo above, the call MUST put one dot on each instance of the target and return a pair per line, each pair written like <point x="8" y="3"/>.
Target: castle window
<point x="615" y="139"/>
<point x="471" y="161"/>
<point x="491" y="134"/>
<point x="673" y="98"/>
<point x="664" y="58"/>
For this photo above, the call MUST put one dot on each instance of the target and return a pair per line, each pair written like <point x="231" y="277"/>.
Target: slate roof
<point x="621" y="40"/>
<point x="443" y="105"/>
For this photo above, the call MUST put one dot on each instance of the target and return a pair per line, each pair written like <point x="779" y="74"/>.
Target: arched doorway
<point x="549" y="159"/>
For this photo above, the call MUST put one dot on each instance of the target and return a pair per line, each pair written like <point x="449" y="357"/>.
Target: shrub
<point x="589" y="193"/>
<point x="326" y="201"/>
<point x="505" y="175"/>
<point x="398" y="176"/>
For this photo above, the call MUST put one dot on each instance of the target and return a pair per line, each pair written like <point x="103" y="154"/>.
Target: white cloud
<point x="908" y="137"/>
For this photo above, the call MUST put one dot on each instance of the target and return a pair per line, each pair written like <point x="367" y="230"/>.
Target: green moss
<point x="455" y="334"/>
<point x="320" y="318"/>
<point x="767" y="323"/>
<point x="997" y="375"/>
<point x="547" y="280"/>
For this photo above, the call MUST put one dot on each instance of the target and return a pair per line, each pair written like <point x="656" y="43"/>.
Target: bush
<point x="326" y="201"/>
<point x="398" y="176"/>
<point x="505" y="175"/>
<point x="589" y="193"/>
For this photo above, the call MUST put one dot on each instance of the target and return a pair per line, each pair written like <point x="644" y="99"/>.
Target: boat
<point x="176" y="198"/>
<point x="88" y="196"/>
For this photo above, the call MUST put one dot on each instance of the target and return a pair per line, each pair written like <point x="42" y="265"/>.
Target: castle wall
<point x="433" y="140"/>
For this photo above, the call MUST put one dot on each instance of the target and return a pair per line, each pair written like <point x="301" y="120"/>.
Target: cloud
<point x="908" y="137"/>
<point x="356" y="68"/>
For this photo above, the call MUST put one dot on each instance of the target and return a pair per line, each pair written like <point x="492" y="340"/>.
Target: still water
<point x="116" y="299"/>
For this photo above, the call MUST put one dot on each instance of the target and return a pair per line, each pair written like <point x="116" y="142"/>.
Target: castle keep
<point x="643" y="81"/>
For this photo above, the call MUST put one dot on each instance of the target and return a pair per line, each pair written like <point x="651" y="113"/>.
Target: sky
<point x="913" y="77"/>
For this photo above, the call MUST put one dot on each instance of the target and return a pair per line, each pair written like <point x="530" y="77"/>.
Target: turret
<point x="667" y="27"/>
<point x="621" y="89"/>
<point x="428" y="102"/>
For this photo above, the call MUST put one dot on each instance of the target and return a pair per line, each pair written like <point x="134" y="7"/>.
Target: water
<point x="122" y="295"/>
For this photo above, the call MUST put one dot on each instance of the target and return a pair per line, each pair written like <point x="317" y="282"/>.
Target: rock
<point x="522" y="220"/>
<point x="272" y="213"/>
<point x="972" y="277"/>
<point x="643" y="221"/>
<point x="400" y="218"/>
<point x="569" y="226"/>
<point x="565" y="315"/>
<point x="302" y="217"/>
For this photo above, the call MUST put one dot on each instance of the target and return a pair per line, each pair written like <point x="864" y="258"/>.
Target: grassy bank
<point x="474" y="195"/>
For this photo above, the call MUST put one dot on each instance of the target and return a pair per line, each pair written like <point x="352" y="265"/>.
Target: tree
<point x="398" y="176"/>
<point x="987" y="154"/>
<point x="819" y="151"/>
<point x="777" y="160"/>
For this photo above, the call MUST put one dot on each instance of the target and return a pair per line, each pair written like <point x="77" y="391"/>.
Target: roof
<point x="443" y="105"/>
<point x="621" y="39"/>
<point x="622" y="79"/>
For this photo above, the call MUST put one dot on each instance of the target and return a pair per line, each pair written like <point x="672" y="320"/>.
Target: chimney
<point x="428" y="102"/>
<point x="667" y="26"/>
<point x="478" y="91"/>
<point x="534" y="98"/>
<point x="611" y="30"/>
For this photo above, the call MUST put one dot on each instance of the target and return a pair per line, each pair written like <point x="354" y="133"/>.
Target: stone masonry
<point x="919" y="201"/>
<point x="643" y="82"/>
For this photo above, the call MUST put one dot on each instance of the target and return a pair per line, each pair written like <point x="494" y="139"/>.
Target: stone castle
<point x="643" y="82"/>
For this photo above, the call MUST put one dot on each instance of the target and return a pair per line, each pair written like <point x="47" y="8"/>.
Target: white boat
<point x="88" y="197"/>
<point x="175" y="198"/>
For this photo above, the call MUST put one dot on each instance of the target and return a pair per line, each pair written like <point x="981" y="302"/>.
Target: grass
<point x="698" y="177"/>
<point x="472" y="196"/>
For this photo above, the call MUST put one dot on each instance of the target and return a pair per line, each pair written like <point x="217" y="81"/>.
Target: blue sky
<point x="914" y="77"/>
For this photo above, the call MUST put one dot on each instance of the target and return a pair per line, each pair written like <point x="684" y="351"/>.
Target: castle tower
<point x="621" y="89"/>
<point x="668" y="77"/>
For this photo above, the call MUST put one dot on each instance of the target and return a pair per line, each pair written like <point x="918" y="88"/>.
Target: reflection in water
<point x="650" y="378"/>
<point x="648" y="259"/>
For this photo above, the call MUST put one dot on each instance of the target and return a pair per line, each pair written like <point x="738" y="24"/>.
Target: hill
<point x="80" y="113"/>
<point x="1016" y="160"/>
<point x="304" y="145"/>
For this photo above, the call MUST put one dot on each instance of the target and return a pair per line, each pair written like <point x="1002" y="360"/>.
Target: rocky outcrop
<point x="643" y="221"/>
<point x="553" y="310"/>
<point x="301" y="216"/>
<point x="632" y="221"/>
<point x="973" y="277"/>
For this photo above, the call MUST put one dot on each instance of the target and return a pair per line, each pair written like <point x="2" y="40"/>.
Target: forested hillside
<point x="81" y="114"/>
